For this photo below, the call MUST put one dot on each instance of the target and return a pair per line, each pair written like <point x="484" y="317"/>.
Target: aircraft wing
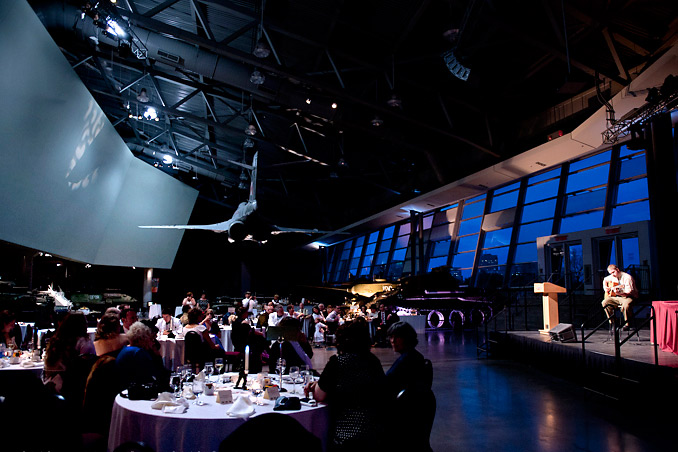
<point x="281" y="230"/>
<point x="218" y="227"/>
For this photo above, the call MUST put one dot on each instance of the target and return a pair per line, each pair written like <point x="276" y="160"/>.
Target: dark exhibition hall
<point x="434" y="225"/>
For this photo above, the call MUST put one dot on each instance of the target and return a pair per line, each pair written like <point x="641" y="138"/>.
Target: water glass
<point x="294" y="374"/>
<point x="198" y="388"/>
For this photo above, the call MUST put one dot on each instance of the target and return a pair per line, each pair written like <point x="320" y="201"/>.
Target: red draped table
<point x="667" y="325"/>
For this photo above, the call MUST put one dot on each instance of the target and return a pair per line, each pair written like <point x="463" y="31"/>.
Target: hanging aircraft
<point x="244" y="224"/>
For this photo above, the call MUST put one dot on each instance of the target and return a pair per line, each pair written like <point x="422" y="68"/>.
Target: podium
<point x="550" y="293"/>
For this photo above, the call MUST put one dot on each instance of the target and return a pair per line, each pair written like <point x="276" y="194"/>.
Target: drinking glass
<point x="294" y="374"/>
<point x="175" y="383"/>
<point x="198" y="388"/>
<point x="219" y="364"/>
<point x="280" y="367"/>
<point x="209" y="370"/>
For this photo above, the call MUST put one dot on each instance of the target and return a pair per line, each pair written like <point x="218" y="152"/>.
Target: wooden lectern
<point x="550" y="299"/>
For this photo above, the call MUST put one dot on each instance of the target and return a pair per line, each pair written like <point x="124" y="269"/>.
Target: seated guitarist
<point x="620" y="291"/>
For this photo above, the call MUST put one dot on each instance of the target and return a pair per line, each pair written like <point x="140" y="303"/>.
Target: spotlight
<point x="262" y="50"/>
<point x="377" y="122"/>
<point x="308" y="101"/>
<point x="250" y="130"/>
<point x="334" y="105"/>
<point x="248" y="143"/>
<point x="167" y="159"/>
<point x="394" y="101"/>
<point x="455" y="67"/>
<point x="257" y="78"/>
<point x="151" y="114"/>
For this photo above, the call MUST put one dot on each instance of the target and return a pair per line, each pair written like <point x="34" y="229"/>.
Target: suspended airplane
<point x="244" y="225"/>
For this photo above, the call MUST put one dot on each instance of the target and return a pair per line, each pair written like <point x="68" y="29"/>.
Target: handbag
<point x="143" y="391"/>
<point x="284" y="403"/>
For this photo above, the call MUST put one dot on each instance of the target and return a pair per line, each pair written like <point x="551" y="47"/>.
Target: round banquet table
<point x="200" y="428"/>
<point x="35" y="369"/>
<point x="172" y="350"/>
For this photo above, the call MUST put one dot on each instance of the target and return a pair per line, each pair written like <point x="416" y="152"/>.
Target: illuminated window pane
<point x="371" y="248"/>
<point x="591" y="161"/>
<point x="382" y="258"/>
<point x="495" y="256"/>
<point x="539" y="211"/>
<point x="499" y="237"/>
<point x="441" y="248"/>
<point x="582" y="222"/>
<point x="470" y="226"/>
<point x="504" y="201"/>
<point x="468" y="243"/>
<point x="404" y="229"/>
<point x="526" y="253"/>
<point x="428" y="220"/>
<point x="632" y="167"/>
<point x="373" y="237"/>
<point x="544" y="176"/>
<point x="356" y="251"/>
<point x="586" y="200"/>
<point x="631" y="191"/>
<point x="628" y="213"/>
<point x="473" y="210"/>
<point x="385" y="245"/>
<point x="399" y="255"/>
<point x="388" y="233"/>
<point x="464" y="260"/>
<point x="402" y="241"/>
<point x="507" y="189"/>
<point x="437" y="262"/>
<point x="542" y="191"/>
<point x="530" y="232"/>
<point x="589" y="178"/>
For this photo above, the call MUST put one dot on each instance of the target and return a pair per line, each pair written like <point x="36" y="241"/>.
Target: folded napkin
<point x="187" y="393"/>
<point x="168" y="404"/>
<point x="200" y="376"/>
<point x="242" y="407"/>
<point x="27" y="363"/>
<point x="4" y="363"/>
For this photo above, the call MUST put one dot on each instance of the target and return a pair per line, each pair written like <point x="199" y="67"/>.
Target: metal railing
<point x="615" y="326"/>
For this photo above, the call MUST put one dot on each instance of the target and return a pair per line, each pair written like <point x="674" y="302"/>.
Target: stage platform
<point x="597" y="368"/>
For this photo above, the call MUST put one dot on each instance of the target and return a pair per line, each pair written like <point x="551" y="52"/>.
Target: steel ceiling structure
<point x="404" y="124"/>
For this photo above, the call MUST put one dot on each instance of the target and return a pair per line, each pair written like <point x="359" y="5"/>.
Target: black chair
<point x="294" y="435"/>
<point x="103" y="385"/>
<point x="195" y="351"/>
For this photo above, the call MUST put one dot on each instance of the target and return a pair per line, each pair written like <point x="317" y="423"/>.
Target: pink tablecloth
<point x="667" y="325"/>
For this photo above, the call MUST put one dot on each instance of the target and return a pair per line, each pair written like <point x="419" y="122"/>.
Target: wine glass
<point x="209" y="370"/>
<point x="218" y="364"/>
<point x="198" y="388"/>
<point x="280" y="365"/>
<point x="294" y="374"/>
<point x="175" y="384"/>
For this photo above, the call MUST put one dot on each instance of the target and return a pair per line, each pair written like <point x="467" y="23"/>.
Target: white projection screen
<point x="68" y="183"/>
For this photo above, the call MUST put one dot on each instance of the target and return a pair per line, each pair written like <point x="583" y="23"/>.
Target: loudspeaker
<point x="563" y="332"/>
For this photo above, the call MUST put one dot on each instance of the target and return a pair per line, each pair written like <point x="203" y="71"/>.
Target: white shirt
<point x="174" y="324"/>
<point x="273" y="318"/>
<point x="625" y="281"/>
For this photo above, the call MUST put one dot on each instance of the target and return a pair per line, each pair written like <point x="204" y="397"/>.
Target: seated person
<point x="167" y="323"/>
<point x="10" y="336"/>
<point x="108" y="340"/>
<point x="140" y="362"/>
<point x="334" y="319"/>
<point x="128" y="316"/>
<point x="275" y="317"/>
<point x="620" y="291"/>
<point x="408" y="369"/>
<point x="295" y="352"/>
<point x="184" y="314"/>
<point x="262" y="318"/>
<point x="195" y="317"/>
<point x="385" y="318"/>
<point x="358" y="421"/>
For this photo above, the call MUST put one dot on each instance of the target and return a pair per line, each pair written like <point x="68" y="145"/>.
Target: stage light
<point x="377" y="122"/>
<point x="308" y="101"/>
<point x="114" y="28"/>
<point x="257" y="78"/>
<point x="262" y="50"/>
<point x="334" y="105"/>
<point x="151" y="114"/>
<point x="167" y="159"/>
<point x="143" y="96"/>
<point x="251" y="130"/>
<point x="248" y="143"/>
<point x="455" y="67"/>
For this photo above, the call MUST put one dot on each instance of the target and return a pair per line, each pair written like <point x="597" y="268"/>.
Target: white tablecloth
<point x="172" y="350"/>
<point x="35" y="370"/>
<point x="200" y="428"/>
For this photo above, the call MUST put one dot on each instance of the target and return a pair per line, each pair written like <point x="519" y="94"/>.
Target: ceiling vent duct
<point x="169" y="56"/>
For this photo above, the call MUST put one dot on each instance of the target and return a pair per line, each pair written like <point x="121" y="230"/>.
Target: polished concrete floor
<point x="500" y="405"/>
